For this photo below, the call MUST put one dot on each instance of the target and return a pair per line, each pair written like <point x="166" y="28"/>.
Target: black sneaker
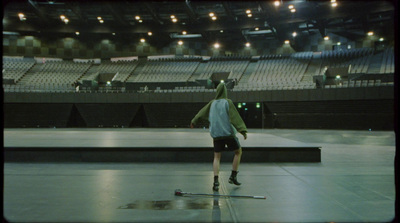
<point x="216" y="186"/>
<point x="233" y="180"/>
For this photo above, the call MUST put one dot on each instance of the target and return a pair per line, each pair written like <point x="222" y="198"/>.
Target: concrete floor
<point x="353" y="183"/>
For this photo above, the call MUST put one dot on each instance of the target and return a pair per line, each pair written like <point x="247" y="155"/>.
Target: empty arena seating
<point x="277" y="73"/>
<point x="166" y="71"/>
<point x="367" y="66"/>
<point x="357" y="59"/>
<point x="15" y="68"/>
<point x="236" y="67"/>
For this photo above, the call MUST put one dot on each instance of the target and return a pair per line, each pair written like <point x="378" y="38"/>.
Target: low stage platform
<point x="145" y="145"/>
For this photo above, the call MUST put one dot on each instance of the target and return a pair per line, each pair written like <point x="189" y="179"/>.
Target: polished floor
<point x="354" y="182"/>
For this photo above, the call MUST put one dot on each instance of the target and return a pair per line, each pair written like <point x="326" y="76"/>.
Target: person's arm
<point x="236" y="120"/>
<point x="201" y="115"/>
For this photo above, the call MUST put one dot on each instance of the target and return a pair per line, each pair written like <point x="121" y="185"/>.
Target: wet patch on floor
<point x="181" y="204"/>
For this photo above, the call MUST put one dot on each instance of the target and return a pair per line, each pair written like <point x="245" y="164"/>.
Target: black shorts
<point x="232" y="144"/>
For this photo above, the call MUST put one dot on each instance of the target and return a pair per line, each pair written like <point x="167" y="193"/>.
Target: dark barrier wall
<point x="36" y="115"/>
<point x="107" y="115"/>
<point x="364" y="114"/>
<point x="360" y="114"/>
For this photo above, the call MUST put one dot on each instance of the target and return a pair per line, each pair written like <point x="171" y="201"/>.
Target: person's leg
<point x="236" y="159"/>
<point x="217" y="160"/>
<point x="235" y="167"/>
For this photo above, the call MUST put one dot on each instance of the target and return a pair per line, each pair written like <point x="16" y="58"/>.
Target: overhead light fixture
<point x="293" y="10"/>
<point x="174" y="20"/>
<point x="216" y="45"/>
<point x="256" y="32"/>
<point x="150" y="33"/>
<point x="21" y="16"/>
<point x="294" y="34"/>
<point x="370" y="33"/>
<point x="221" y="31"/>
<point x="142" y="40"/>
<point x="211" y="14"/>
<point x="334" y="4"/>
<point x="249" y="15"/>
<point x="140" y="21"/>
<point x="381" y="39"/>
<point x="62" y="17"/>
<point x="248" y="11"/>
<point x="287" y="41"/>
<point x="180" y="42"/>
<point x="214" y="18"/>
<point x="101" y="21"/>
<point x="277" y="3"/>
<point x="326" y="38"/>
<point x="99" y="18"/>
<point x="77" y="33"/>
<point x="187" y="36"/>
<point x="66" y="20"/>
<point x="256" y="29"/>
<point x="291" y="6"/>
<point x="184" y="32"/>
<point x="248" y="44"/>
<point x="333" y="1"/>
<point x="113" y="34"/>
<point x="339" y="43"/>
<point x="137" y="17"/>
<point x="172" y="17"/>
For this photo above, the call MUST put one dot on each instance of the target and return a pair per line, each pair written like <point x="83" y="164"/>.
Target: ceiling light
<point x="333" y="1"/>
<point x="62" y="17"/>
<point x="99" y="18"/>
<point x="287" y="41"/>
<point x="370" y="33"/>
<point x="77" y="33"/>
<point x="180" y="42"/>
<point x="184" y="32"/>
<point x="174" y="20"/>
<point x="381" y="39"/>
<point x="149" y="33"/>
<point x="140" y="21"/>
<point x="249" y="15"/>
<point x="142" y="40"/>
<point x="21" y="16"/>
<point x="291" y="6"/>
<point x="326" y="38"/>
<point x="247" y="44"/>
<point x="137" y="17"/>
<point x="293" y="10"/>
<point x="294" y="34"/>
<point x="66" y="21"/>
<point x="211" y="14"/>
<point x="277" y="3"/>
<point x="221" y="31"/>
<point x="248" y="11"/>
<point x="113" y="34"/>
<point x="334" y="4"/>
<point x="216" y="45"/>
<point x="256" y="29"/>
<point x="339" y="43"/>
<point x="214" y="18"/>
<point x="172" y="17"/>
<point x="101" y="21"/>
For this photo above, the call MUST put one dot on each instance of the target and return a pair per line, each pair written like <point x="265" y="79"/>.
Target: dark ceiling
<point x="351" y="19"/>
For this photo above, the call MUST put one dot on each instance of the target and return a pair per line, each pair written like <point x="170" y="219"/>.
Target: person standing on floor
<point x="225" y="122"/>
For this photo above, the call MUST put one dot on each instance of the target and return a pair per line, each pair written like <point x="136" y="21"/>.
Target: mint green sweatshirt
<point x="222" y="115"/>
